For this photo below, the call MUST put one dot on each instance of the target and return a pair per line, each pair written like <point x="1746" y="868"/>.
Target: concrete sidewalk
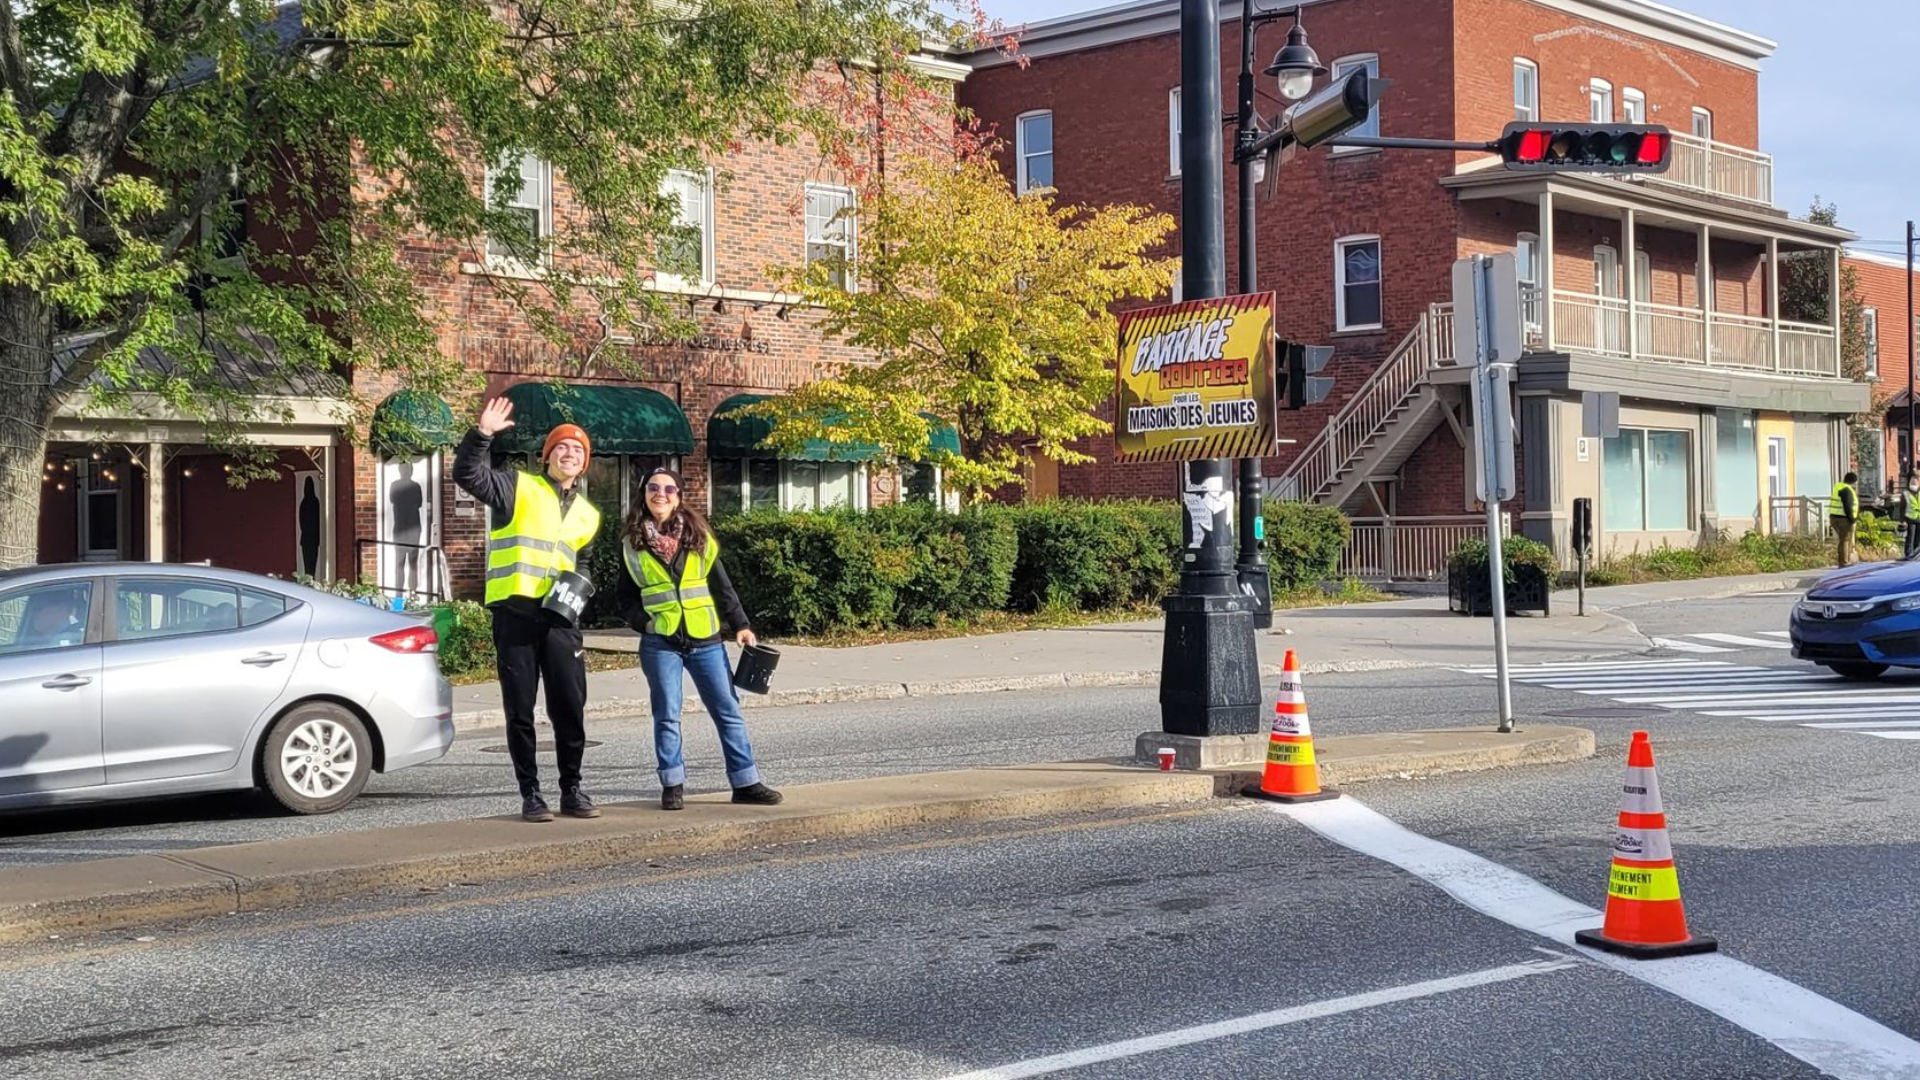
<point x="1408" y="633"/>
<point x="116" y="893"/>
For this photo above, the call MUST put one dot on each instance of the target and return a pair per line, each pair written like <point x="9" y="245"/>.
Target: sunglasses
<point x="662" y="489"/>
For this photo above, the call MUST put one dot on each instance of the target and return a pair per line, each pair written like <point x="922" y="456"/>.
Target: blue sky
<point x="1837" y="101"/>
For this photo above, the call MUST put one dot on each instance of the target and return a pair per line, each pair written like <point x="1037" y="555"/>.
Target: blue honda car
<point x="1862" y="620"/>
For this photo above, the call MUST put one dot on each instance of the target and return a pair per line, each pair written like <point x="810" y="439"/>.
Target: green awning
<point x="943" y="437"/>
<point x="411" y="422"/>
<point x="742" y="436"/>
<point x="619" y="419"/>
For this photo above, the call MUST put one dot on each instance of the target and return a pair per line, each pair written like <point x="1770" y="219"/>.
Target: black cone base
<point x="1689" y="947"/>
<point x="1319" y="796"/>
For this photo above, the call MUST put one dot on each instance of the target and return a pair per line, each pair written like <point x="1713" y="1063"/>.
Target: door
<point x="191" y="666"/>
<point x="1777" y="483"/>
<point x="1609" y="318"/>
<point x="49" y="688"/>
<point x="409" y="525"/>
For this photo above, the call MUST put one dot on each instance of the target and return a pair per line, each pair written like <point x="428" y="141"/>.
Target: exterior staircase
<point x="1381" y="425"/>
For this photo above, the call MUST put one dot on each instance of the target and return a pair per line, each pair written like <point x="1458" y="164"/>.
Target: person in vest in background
<point x="1843" y="511"/>
<point x="677" y="595"/>
<point x="1910" y="510"/>
<point x="541" y="527"/>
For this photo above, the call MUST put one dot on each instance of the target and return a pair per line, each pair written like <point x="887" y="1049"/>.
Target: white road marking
<point x="1823" y="1033"/>
<point x="1775" y="633"/>
<point x="1657" y="682"/>
<point x="1187" y="1036"/>
<point x="1859" y="724"/>
<point x="1783" y="697"/>
<point x="1598" y="667"/>
<point x="1892" y="734"/>
<point x="1687" y="646"/>
<point x="1744" y="642"/>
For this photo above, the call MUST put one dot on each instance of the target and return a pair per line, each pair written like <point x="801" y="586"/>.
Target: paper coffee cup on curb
<point x="1166" y="759"/>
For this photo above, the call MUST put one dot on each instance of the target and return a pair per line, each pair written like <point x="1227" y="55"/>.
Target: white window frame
<point x="1870" y="329"/>
<point x="849" y="243"/>
<point x="1529" y="308"/>
<point x="1371" y="125"/>
<point x="1632" y="101"/>
<point x="542" y="204"/>
<point x="704" y="180"/>
<point x="1340" y="247"/>
<point x="1599" y="101"/>
<point x="1694" y="125"/>
<point x="83" y="488"/>
<point x="1173" y="132"/>
<point x="1529" y="110"/>
<point x="1020" y="147"/>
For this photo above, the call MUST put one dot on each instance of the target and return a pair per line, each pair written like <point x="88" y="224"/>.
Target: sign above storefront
<point x="1196" y="380"/>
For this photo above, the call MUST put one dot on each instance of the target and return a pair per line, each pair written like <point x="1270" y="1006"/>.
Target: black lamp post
<point x="1210" y="672"/>
<point x="1295" y="66"/>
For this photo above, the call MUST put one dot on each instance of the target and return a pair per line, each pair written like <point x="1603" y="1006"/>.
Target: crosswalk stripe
<point x="1860" y="724"/>
<point x="1599" y="667"/>
<point x="1680" y="645"/>
<point x="1813" y="714"/>
<point x="1783" y="698"/>
<point x="1892" y="734"/>
<point x="1747" y="642"/>
<point x="1776" y="633"/>
<point x="1698" y="678"/>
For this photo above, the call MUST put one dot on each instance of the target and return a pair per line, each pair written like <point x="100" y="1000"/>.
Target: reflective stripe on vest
<point x="1837" y="508"/>
<point x="668" y="603"/>
<point x="539" y="543"/>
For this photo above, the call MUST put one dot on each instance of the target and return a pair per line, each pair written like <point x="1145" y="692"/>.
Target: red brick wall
<point x="1884" y="288"/>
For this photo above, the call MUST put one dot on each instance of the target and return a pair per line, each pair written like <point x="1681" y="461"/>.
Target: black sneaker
<point x="534" y="808"/>
<point x="757" y="794"/>
<point x="673" y="797"/>
<point x="574" y="803"/>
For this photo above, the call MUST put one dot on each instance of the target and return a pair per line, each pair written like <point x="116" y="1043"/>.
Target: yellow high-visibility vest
<point x="1838" y="508"/>
<point x="539" y="542"/>
<point x="668" y="602"/>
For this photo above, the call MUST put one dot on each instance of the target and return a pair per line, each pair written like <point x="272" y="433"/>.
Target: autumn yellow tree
<point x="985" y="309"/>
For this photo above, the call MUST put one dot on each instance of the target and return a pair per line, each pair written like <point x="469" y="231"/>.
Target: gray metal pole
<point x="1907" y="480"/>
<point x="1496" y="568"/>
<point x="1251" y="569"/>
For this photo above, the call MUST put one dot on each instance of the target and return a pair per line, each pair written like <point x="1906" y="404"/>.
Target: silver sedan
<point x="129" y="680"/>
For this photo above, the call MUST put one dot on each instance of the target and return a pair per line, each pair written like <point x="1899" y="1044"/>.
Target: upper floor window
<point x="1870" y="329"/>
<point x="1526" y="265"/>
<point x="1526" y="90"/>
<point x="686" y="251"/>
<point x="1033" y="146"/>
<point x="525" y="184"/>
<point x="1345" y="66"/>
<point x="1173" y="132"/>
<point x="1356" y="283"/>
<point x="1702" y="123"/>
<point x="831" y="231"/>
<point x="1633" y="106"/>
<point x="1599" y="101"/>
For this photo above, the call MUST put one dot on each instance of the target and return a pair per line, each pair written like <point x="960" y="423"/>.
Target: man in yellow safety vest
<point x="541" y="527"/>
<point x="1911" y="512"/>
<point x="1843" y="510"/>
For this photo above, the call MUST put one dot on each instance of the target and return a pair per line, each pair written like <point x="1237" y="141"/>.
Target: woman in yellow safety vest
<point x="677" y="595"/>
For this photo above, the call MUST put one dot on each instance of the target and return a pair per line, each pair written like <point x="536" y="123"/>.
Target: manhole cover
<point x="544" y="746"/>
<point x="1604" y="712"/>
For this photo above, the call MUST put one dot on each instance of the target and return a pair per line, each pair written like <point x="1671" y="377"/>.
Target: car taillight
<point x="411" y="639"/>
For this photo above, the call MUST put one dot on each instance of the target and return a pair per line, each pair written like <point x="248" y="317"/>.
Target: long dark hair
<point x="686" y="521"/>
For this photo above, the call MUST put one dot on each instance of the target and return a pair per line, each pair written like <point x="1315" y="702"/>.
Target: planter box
<point x="1472" y="594"/>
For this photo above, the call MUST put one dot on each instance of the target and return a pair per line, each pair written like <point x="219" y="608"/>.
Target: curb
<point x="608" y="708"/>
<point x="119" y="893"/>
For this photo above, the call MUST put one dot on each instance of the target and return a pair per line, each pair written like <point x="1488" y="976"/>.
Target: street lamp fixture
<point x="1296" y="65"/>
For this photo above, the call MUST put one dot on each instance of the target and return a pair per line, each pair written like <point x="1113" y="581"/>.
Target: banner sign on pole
<point x="1196" y="380"/>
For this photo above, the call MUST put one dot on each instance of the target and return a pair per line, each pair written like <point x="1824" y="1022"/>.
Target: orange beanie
<point x="566" y="431"/>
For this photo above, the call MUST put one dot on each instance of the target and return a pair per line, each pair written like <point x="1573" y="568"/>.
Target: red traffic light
<point x="1631" y="148"/>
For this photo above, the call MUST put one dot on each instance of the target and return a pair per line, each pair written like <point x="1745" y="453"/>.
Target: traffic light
<point x="1612" y="148"/>
<point x="1299" y="379"/>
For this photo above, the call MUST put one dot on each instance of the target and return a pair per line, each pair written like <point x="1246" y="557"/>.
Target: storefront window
<point x="768" y="484"/>
<point x="1646" y="481"/>
<point x="1736" y="468"/>
<point x="1623" y="493"/>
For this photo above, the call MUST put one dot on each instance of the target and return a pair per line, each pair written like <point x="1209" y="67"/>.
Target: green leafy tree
<point x="988" y="310"/>
<point x="1806" y="296"/>
<point x="357" y="135"/>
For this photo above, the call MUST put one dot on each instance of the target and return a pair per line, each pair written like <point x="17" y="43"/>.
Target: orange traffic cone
<point x="1291" y="776"/>
<point x="1644" y="917"/>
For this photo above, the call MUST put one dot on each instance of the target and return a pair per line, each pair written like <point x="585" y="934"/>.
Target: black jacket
<point x="733" y="616"/>
<point x="474" y="472"/>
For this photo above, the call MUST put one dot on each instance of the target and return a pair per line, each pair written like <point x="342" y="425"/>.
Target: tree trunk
<point x="26" y="361"/>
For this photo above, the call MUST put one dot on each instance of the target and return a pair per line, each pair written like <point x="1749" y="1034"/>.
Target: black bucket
<point x="754" y="674"/>
<point x="568" y="597"/>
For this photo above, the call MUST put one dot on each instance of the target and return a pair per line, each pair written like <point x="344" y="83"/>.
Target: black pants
<point x="533" y="648"/>
<point x="1913" y="536"/>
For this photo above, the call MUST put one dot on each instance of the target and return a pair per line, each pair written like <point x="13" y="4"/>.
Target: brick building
<point x="1730" y="408"/>
<point x="387" y="512"/>
<point x="1882" y="284"/>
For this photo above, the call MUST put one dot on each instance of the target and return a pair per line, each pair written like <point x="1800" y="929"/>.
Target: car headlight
<point x="1905" y="603"/>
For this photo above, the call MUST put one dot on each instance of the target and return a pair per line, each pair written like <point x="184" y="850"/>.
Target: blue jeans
<point x="663" y="663"/>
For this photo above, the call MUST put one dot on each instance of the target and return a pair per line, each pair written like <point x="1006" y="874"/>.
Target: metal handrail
<point x="439" y="574"/>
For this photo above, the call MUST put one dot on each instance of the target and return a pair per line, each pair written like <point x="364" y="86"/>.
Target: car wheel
<point x="316" y="758"/>
<point x="1859" y="670"/>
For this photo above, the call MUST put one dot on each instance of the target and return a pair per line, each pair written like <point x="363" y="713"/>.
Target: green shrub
<point x="1874" y="531"/>
<point x="1304" y="542"/>
<point x="466" y="637"/>
<point x="1471" y="556"/>
<point x="1086" y="556"/>
<point x="1672" y="562"/>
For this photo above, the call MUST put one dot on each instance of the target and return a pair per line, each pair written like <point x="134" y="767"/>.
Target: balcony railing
<point x="1408" y="548"/>
<point x="1715" y="168"/>
<point x="1584" y="322"/>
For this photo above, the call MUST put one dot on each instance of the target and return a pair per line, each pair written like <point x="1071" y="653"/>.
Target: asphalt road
<point x="813" y="744"/>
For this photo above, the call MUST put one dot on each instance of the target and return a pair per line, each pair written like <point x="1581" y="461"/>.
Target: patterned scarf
<point x="664" y="542"/>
